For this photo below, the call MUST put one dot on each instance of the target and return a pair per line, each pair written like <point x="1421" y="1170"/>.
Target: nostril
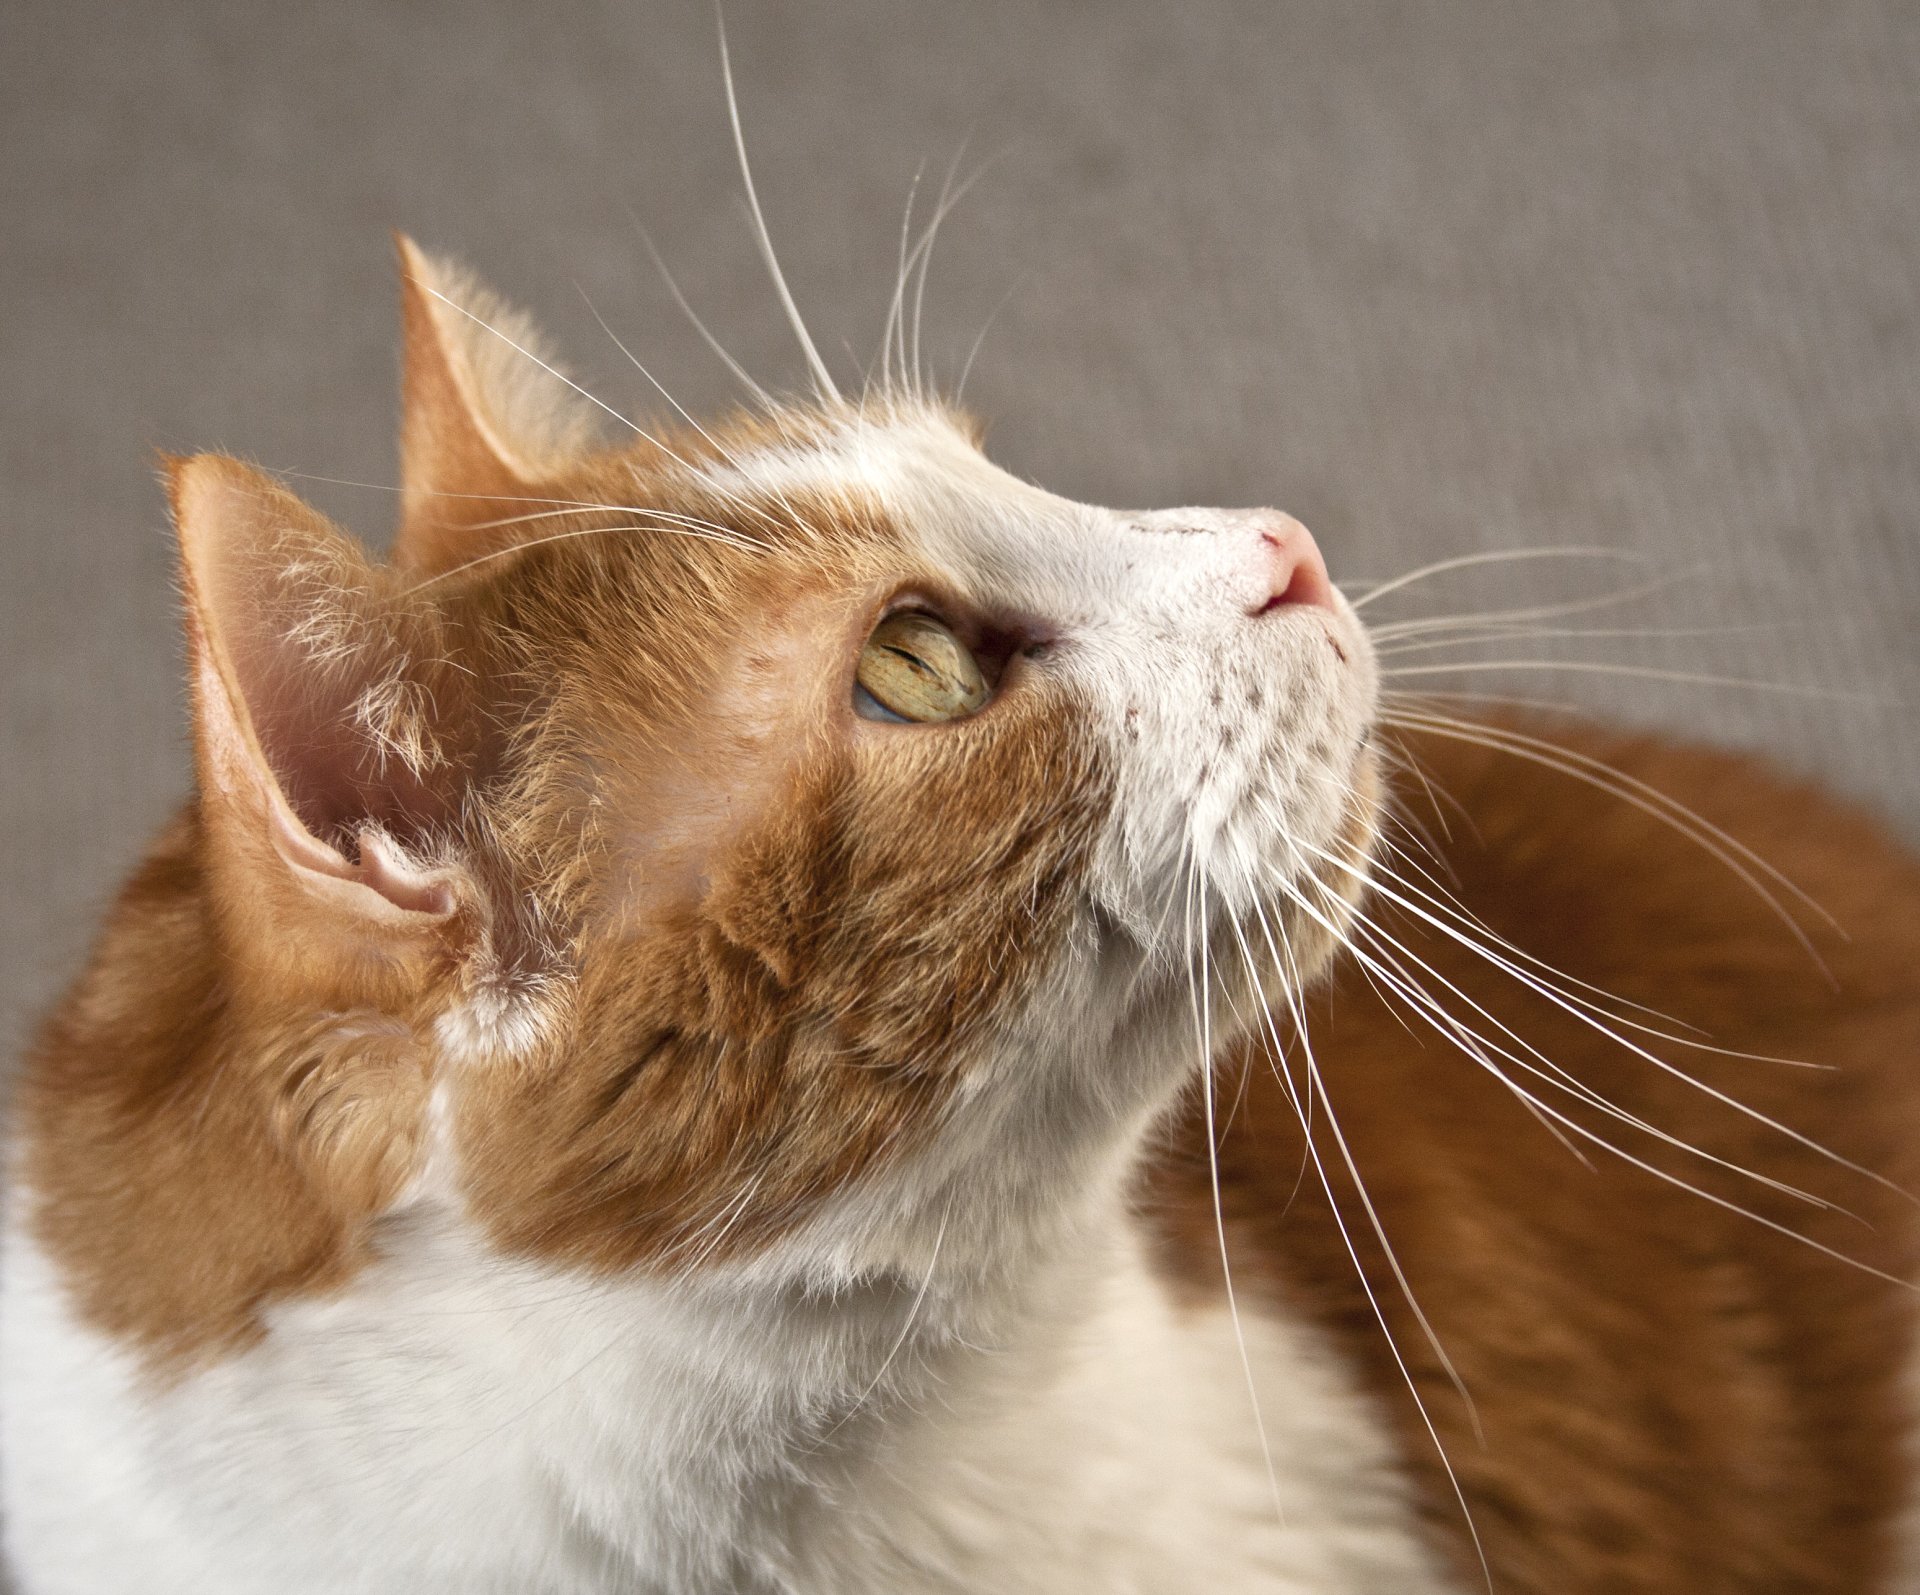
<point x="1301" y="588"/>
<point x="1297" y="573"/>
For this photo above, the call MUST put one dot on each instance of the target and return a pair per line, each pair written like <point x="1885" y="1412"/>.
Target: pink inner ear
<point x="377" y="865"/>
<point x="303" y="656"/>
<point x="327" y="761"/>
<point x="394" y="877"/>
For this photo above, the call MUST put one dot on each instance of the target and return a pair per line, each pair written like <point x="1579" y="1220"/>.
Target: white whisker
<point x="717" y="529"/>
<point x="522" y="349"/>
<point x="1291" y="982"/>
<point x="1317" y="1088"/>
<point x="980" y="337"/>
<point x="1748" y="865"/>
<point x="1472" y="636"/>
<point x="1479" y="927"/>
<point x="1643" y="673"/>
<point x="822" y="377"/>
<point x="1201" y="993"/>
<point x="1465" y="561"/>
<point x="562" y="537"/>
<point x="740" y="374"/>
<point x="900" y="1340"/>
<point x="1484" y="1049"/>
<point x="719" y="448"/>
<point x="891" y="352"/>
<point x="1718" y="1201"/>
<point x="949" y="198"/>
<point x="1532" y="612"/>
<point x="1587" y="1015"/>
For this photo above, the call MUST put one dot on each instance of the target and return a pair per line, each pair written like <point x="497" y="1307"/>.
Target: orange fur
<point x="563" y="806"/>
<point x="621" y="766"/>
<point x="1670" y="1397"/>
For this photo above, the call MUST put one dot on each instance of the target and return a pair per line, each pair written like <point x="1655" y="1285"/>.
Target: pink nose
<point x="1296" y="574"/>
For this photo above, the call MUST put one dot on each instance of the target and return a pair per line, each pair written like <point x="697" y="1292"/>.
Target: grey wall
<point x="1439" y="279"/>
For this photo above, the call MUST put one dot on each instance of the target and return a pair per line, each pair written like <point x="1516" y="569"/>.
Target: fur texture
<point x="571" y="1106"/>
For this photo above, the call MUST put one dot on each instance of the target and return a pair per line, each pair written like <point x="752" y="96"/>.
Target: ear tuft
<point x="487" y="414"/>
<point x="322" y="771"/>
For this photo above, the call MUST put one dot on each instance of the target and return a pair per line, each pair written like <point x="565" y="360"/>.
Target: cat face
<point x="796" y="826"/>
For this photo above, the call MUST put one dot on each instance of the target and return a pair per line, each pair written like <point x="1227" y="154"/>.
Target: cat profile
<point x="713" y="1019"/>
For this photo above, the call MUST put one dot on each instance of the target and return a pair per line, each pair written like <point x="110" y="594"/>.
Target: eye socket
<point x="914" y="669"/>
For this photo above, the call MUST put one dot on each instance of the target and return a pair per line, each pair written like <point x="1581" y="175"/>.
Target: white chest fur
<point x="453" y="1423"/>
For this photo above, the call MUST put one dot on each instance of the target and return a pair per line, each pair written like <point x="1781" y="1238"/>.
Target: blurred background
<point x="1441" y="280"/>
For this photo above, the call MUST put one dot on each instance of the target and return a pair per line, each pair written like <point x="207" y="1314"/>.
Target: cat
<point x="769" y="1007"/>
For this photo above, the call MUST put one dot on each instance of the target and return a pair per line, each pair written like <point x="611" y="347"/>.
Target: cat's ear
<point x="328" y="759"/>
<point x="486" y="419"/>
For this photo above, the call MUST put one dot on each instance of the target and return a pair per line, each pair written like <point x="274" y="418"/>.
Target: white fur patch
<point x="455" y="1423"/>
<point x="1232" y="738"/>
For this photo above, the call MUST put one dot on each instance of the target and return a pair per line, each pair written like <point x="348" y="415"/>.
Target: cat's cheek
<point x="761" y="1055"/>
<point x="691" y="789"/>
<point x="351" y="1103"/>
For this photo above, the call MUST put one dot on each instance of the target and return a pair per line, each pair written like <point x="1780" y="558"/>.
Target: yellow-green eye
<point x="914" y="668"/>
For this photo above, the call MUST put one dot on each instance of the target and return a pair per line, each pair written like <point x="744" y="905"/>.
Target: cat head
<point x="690" y="838"/>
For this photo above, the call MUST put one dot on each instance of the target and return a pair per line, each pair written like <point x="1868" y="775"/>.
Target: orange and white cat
<point x="676" y="1047"/>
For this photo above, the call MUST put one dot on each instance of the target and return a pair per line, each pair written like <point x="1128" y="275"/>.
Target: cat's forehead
<point x="902" y="496"/>
<point x="883" y="450"/>
<point x="912" y="484"/>
<point x="918" y="466"/>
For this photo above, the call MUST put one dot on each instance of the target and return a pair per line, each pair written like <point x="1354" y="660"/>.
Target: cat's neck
<point x="731" y="1431"/>
<point x="1014" y="1434"/>
<point x="1062" y="1424"/>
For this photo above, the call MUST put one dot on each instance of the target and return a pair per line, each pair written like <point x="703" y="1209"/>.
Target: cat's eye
<point x="913" y="668"/>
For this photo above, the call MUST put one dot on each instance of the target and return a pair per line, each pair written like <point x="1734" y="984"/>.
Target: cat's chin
<point x="1329" y="899"/>
<point x="1344" y="885"/>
